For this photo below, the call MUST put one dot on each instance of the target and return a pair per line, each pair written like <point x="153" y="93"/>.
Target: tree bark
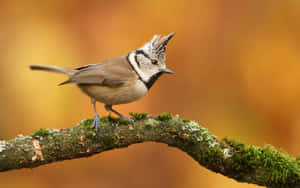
<point x="262" y="166"/>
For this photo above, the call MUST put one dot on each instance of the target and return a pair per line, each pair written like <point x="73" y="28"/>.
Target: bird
<point x="119" y="80"/>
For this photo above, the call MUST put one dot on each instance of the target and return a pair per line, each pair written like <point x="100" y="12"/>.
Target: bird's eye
<point x="154" y="62"/>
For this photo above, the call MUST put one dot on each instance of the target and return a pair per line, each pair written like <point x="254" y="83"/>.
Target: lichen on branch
<point x="262" y="166"/>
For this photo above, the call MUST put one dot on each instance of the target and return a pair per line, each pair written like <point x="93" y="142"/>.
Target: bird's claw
<point x="128" y="119"/>
<point x="96" y="122"/>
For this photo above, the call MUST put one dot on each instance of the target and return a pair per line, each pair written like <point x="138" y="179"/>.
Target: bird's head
<point x="149" y="61"/>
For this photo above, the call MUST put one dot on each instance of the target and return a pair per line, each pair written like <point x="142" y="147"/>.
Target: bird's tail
<point x="50" y="68"/>
<point x="55" y="69"/>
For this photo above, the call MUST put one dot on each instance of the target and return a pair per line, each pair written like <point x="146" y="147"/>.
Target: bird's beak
<point x="168" y="71"/>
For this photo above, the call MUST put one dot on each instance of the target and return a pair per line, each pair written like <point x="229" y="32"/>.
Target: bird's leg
<point x="96" y="122"/>
<point x="109" y="108"/>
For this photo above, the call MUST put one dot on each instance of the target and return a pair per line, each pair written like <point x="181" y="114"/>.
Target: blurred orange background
<point x="237" y="66"/>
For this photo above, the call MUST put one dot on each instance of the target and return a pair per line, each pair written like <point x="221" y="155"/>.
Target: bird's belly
<point x="117" y="95"/>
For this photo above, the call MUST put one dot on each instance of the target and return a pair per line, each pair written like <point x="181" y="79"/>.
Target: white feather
<point x="132" y="61"/>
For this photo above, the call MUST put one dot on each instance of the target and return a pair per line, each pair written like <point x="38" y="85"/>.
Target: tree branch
<point x="263" y="166"/>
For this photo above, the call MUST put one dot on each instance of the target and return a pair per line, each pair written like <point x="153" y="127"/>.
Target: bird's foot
<point x="109" y="108"/>
<point x="96" y="122"/>
<point x="128" y="119"/>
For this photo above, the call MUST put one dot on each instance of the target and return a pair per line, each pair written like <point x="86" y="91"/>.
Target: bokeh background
<point x="237" y="67"/>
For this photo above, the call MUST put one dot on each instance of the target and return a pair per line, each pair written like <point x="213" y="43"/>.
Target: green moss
<point x="87" y="123"/>
<point x="148" y="126"/>
<point x="238" y="145"/>
<point x="262" y="160"/>
<point x="163" y="116"/>
<point x="186" y="120"/>
<point x="192" y="139"/>
<point x="139" y="116"/>
<point x="118" y="120"/>
<point x="150" y="123"/>
<point x="108" y="142"/>
<point x="40" y="133"/>
<point x="104" y="121"/>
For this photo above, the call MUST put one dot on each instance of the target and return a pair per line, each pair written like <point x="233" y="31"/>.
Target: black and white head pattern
<point x="149" y="60"/>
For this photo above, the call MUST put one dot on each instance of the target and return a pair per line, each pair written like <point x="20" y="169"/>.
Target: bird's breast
<point x="126" y="93"/>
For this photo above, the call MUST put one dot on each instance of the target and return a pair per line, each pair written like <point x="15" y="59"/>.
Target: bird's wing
<point x="111" y="73"/>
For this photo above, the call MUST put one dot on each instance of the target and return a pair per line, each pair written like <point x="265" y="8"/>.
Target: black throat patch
<point x="152" y="80"/>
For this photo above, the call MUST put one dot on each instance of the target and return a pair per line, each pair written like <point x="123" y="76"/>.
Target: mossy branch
<point x="263" y="166"/>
